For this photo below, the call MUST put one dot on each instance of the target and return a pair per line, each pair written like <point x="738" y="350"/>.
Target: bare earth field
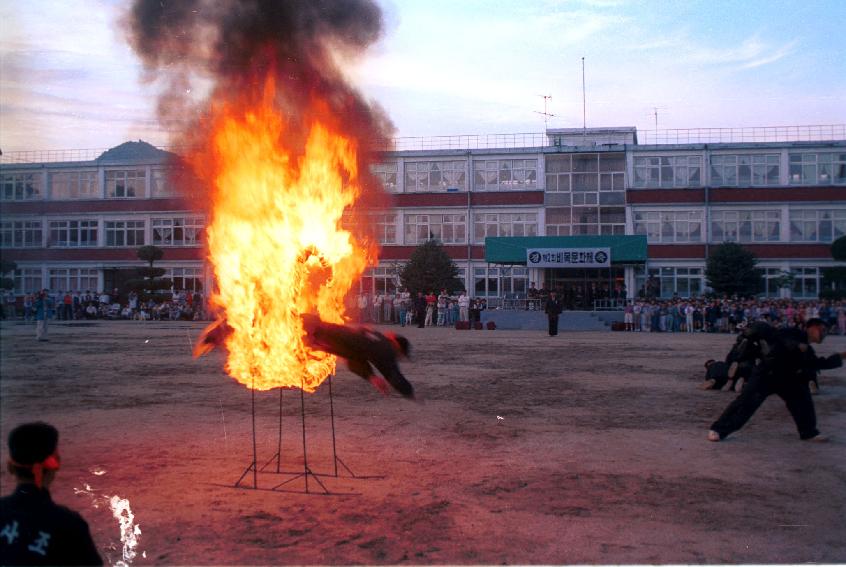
<point x="524" y="449"/>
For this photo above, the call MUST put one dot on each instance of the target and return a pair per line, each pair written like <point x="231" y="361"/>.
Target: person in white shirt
<point x="464" y="306"/>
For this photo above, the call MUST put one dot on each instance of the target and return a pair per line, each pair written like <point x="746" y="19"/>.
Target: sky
<point x="69" y="80"/>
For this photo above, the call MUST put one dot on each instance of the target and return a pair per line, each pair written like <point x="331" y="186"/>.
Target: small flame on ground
<point x="129" y="531"/>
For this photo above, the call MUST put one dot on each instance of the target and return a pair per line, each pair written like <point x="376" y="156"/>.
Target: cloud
<point x="751" y="52"/>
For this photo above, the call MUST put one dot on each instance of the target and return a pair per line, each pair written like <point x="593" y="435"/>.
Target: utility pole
<point x="584" y="101"/>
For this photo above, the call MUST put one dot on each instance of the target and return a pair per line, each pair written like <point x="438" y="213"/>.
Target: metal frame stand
<point x="307" y="471"/>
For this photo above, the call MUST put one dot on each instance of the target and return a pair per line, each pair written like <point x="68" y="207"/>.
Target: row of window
<point x="667" y="282"/>
<point x="179" y="231"/>
<point x="84" y="184"/>
<point x="660" y="227"/>
<point x="583" y="175"/>
<point x="452" y="228"/>
<point x="488" y="281"/>
<point x="740" y="170"/>
<point x="805" y="225"/>
<point x="29" y="280"/>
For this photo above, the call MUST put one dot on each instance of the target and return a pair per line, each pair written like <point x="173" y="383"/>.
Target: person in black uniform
<point x="553" y="310"/>
<point x="716" y="375"/>
<point x="363" y="348"/>
<point x="33" y="529"/>
<point x="784" y="370"/>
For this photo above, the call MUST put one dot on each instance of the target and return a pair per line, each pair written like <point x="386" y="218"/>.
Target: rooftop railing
<point x="812" y="133"/>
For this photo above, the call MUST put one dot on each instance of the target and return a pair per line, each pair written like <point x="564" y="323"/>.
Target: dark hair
<point x="815" y="322"/>
<point x="31" y="443"/>
<point x="709" y="362"/>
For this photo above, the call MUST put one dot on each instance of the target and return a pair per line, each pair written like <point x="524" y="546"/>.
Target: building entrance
<point x="587" y="288"/>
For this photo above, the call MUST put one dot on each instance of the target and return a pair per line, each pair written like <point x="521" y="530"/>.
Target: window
<point x="435" y="176"/>
<point x="558" y="221"/>
<point x="73" y="279"/>
<point x="181" y="231"/>
<point x="74" y="185"/>
<point x="387" y="174"/>
<point x="385" y="279"/>
<point x="773" y="277"/>
<point x="73" y="233"/>
<point x="806" y="282"/>
<point x="588" y="179"/>
<point x="21" y="187"/>
<point x="27" y="280"/>
<point x="20" y="234"/>
<point x="669" y="281"/>
<point x="505" y="174"/>
<point x="809" y="225"/>
<point x="124" y="233"/>
<point x="160" y="184"/>
<point x="504" y="224"/>
<point x="662" y="227"/>
<point x="496" y="282"/>
<point x="818" y="169"/>
<point x="186" y="279"/>
<point x="745" y="226"/>
<point x="449" y="229"/>
<point x="386" y="228"/>
<point x="125" y="183"/>
<point x="668" y="171"/>
<point x="745" y="170"/>
<point x="486" y="282"/>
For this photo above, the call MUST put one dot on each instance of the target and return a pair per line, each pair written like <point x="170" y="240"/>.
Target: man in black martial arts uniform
<point x="362" y="347"/>
<point x="783" y="369"/>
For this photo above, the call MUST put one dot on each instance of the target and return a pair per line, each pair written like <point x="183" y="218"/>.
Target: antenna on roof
<point x="654" y="114"/>
<point x="584" y="101"/>
<point x="546" y="114"/>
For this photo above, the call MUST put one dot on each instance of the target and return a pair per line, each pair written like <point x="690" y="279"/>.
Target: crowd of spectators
<point x="726" y="315"/>
<point x="676" y="315"/>
<point x="426" y="310"/>
<point x="87" y="305"/>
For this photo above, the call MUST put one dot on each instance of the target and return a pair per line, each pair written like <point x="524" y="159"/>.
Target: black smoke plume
<point x="229" y="47"/>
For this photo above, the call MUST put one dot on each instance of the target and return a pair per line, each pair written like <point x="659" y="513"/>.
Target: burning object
<point x="282" y="144"/>
<point x="362" y="347"/>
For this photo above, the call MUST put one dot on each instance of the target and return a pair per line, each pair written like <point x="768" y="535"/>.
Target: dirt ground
<point x="523" y="449"/>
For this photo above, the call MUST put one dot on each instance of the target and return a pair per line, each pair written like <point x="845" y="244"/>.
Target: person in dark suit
<point x="553" y="310"/>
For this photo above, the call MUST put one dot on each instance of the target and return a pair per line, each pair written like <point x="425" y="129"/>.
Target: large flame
<point x="276" y="240"/>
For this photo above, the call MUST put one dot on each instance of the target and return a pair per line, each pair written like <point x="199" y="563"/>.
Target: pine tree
<point x="430" y="269"/>
<point x="731" y="270"/>
<point x="150" y="282"/>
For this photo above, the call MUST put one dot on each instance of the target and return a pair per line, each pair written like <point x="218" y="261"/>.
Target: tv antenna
<point x="654" y="114"/>
<point x="546" y="114"/>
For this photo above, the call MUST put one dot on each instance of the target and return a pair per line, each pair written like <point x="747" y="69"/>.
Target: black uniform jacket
<point x="796" y="357"/>
<point x="36" y="531"/>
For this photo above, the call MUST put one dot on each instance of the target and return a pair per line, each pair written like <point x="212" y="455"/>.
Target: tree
<point x="834" y="278"/>
<point x="7" y="267"/>
<point x="149" y="282"/>
<point x="430" y="269"/>
<point x="731" y="270"/>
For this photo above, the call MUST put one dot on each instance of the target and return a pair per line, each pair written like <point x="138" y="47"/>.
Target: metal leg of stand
<point x="305" y="452"/>
<point x="254" y="464"/>
<point x="279" y="442"/>
<point x="335" y="458"/>
<point x="332" y="418"/>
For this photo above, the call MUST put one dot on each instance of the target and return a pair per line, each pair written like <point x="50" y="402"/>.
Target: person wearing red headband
<point x="33" y="529"/>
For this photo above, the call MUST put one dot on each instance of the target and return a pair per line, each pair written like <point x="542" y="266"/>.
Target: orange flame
<point x="276" y="240"/>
